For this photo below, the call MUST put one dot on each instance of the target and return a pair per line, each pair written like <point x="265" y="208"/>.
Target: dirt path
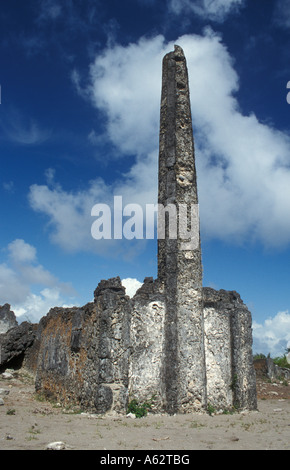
<point x="30" y="424"/>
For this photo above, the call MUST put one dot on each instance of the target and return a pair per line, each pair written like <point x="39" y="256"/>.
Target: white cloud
<point x="121" y="79"/>
<point x="12" y="289"/>
<point x="24" y="260"/>
<point x="21" y="252"/>
<point x="126" y="85"/>
<point x="273" y="336"/>
<point x="243" y="165"/>
<point x="69" y="213"/>
<point x="131" y="286"/>
<point x="35" y="306"/>
<point x="216" y="10"/>
<point x="21" y="276"/>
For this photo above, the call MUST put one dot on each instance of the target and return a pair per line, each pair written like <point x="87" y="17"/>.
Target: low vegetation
<point x="280" y="361"/>
<point x="139" y="410"/>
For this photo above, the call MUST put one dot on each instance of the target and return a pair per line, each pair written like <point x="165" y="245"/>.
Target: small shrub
<point x="259" y="356"/>
<point x="211" y="409"/>
<point x="281" y="361"/>
<point x="139" y="409"/>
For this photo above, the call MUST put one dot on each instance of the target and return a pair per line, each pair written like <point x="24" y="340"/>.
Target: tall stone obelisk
<point x="179" y="262"/>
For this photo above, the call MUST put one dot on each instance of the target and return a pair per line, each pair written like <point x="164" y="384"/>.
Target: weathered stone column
<point x="231" y="379"/>
<point x="114" y="316"/>
<point x="179" y="261"/>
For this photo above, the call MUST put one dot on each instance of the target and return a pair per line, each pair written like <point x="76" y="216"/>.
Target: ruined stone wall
<point x="104" y="354"/>
<point x="114" y="313"/>
<point x="111" y="351"/>
<point x="146" y="375"/>
<point x="230" y="372"/>
<point x="7" y="319"/>
<point x="83" y="352"/>
<point x="66" y="356"/>
<point x="218" y="351"/>
<point x="15" y="343"/>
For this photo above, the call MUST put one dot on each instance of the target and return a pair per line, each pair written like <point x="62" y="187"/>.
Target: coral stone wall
<point x="83" y="352"/>
<point x="113" y="350"/>
<point x="231" y="379"/>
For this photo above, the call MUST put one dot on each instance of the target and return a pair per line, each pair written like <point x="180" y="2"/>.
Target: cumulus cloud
<point x="273" y="336"/>
<point x="131" y="286"/>
<point x="69" y="213"/>
<point x="126" y="86"/>
<point x="21" y="276"/>
<point x="36" y="306"/>
<point x="216" y="10"/>
<point x="12" y="290"/>
<point x="243" y="165"/>
<point x="21" y="252"/>
<point x="70" y="216"/>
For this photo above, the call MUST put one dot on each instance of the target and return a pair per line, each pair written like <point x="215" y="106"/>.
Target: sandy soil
<point x="26" y="423"/>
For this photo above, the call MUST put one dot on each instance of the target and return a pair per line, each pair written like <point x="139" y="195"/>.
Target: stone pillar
<point x="147" y="342"/>
<point x="244" y="376"/>
<point x="231" y="380"/>
<point x="179" y="261"/>
<point x="218" y="306"/>
<point x="114" y="316"/>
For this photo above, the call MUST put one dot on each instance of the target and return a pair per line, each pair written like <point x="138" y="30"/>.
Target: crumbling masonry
<point x="182" y="346"/>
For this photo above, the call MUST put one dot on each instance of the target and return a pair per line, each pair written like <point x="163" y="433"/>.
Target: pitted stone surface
<point x="180" y="270"/>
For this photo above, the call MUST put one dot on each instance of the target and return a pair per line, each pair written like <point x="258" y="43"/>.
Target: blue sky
<point x="79" y="123"/>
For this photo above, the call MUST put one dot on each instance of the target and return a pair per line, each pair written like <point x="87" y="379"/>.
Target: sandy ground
<point x="29" y="424"/>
